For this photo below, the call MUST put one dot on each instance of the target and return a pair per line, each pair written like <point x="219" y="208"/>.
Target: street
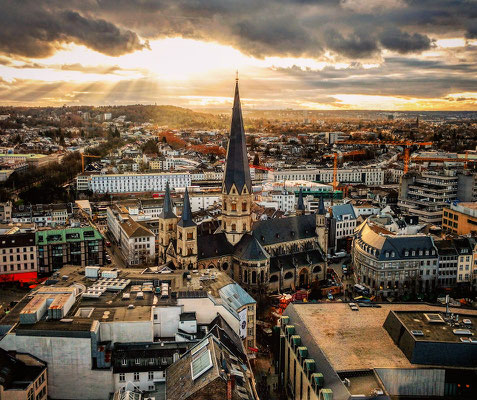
<point x="347" y="280"/>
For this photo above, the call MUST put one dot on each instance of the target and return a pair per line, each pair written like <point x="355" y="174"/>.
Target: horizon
<point x="373" y="55"/>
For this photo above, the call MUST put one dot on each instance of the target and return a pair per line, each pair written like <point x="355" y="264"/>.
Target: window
<point x="234" y="227"/>
<point x="201" y="364"/>
<point x="190" y="235"/>
<point x="124" y="362"/>
<point x="122" y="377"/>
<point x="244" y="206"/>
<point x="150" y="375"/>
<point x="234" y="207"/>
<point x="136" y="376"/>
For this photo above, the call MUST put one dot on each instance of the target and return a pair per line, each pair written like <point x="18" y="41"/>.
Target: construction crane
<point x="83" y="156"/>
<point x="335" y="163"/>
<point x="404" y="143"/>
<point x="466" y="161"/>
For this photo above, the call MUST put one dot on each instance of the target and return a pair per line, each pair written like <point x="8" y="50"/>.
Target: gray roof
<point x="341" y="210"/>
<point x="281" y="230"/>
<point x="186" y="217"/>
<point x="301" y="259"/>
<point x="237" y="170"/>
<point x="167" y="209"/>
<point x="210" y="246"/>
<point x="235" y="296"/>
<point x="248" y="248"/>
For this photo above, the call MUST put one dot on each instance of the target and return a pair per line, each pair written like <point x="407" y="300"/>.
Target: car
<point x="353" y="306"/>
<point x="108" y="244"/>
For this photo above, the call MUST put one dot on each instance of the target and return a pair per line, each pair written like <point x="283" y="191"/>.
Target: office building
<point x="18" y="257"/>
<point x="460" y="218"/>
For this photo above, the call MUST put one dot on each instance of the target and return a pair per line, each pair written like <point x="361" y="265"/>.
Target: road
<point x="348" y="280"/>
<point x="114" y="252"/>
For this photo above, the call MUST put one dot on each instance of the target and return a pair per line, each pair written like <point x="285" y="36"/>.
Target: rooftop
<point x="356" y="340"/>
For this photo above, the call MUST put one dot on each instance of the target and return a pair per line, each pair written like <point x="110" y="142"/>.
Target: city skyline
<point x="348" y="54"/>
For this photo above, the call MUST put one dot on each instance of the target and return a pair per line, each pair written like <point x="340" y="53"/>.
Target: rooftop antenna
<point x="236" y="76"/>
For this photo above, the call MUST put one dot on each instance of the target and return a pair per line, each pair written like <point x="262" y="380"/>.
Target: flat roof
<point x="357" y="340"/>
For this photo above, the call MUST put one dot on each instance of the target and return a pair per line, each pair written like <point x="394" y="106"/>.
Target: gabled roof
<point x="167" y="209"/>
<point x="341" y="210"/>
<point x="279" y="230"/>
<point x="249" y="249"/>
<point x="237" y="170"/>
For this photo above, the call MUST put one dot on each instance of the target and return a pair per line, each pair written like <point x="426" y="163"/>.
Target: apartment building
<point x="18" y="257"/>
<point x="425" y="195"/>
<point x="76" y="246"/>
<point x="368" y="176"/>
<point x="22" y="377"/>
<point x="460" y="218"/>
<point x="286" y="200"/>
<point x="392" y="263"/>
<point x="202" y="201"/>
<point x="344" y="223"/>
<point x="134" y="183"/>
<point x="6" y="211"/>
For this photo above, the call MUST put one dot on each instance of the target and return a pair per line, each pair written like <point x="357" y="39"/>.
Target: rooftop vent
<point x="466" y="332"/>
<point x="416" y="332"/>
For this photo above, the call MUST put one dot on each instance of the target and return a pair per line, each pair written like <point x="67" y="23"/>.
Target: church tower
<point x="167" y="224"/>
<point x="237" y="184"/>
<point x="187" y="237"/>
<point x="300" y="207"/>
<point x="321" y="227"/>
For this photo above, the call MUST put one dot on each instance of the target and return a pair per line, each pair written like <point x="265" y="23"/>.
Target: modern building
<point x="133" y="183"/>
<point x="367" y="176"/>
<point x="448" y="258"/>
<point x="18" y="257"/>
<point x="22" y="377"/>
<point x="395" y="351"/>
<point x="425" y="195"/>
<point x="460" y="218"/>
<point x="76" y="246"/>
<point x="393" y="263"/>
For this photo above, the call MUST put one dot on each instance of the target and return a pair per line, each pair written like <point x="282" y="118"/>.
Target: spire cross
<point x="236" y="76"/>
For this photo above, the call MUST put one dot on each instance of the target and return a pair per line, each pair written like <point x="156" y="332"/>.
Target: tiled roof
<point x="279" y="230"/>
<point x="248" y="248"/>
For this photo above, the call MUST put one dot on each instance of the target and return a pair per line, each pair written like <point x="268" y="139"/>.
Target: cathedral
<point x="262" y="256"/>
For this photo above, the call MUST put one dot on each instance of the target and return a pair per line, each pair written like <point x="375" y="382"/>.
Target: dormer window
<point x="406" y="253"/>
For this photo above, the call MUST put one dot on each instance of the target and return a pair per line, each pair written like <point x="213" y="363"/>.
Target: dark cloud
<point x="37" y="29"/>
<point x="403" y="42"/>
<point x="257" y="27"/>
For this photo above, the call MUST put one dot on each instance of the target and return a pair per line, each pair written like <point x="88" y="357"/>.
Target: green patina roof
<point x="296" y="339"/>
<point x="57" y="236"/>
<point x="318" y="379"/>
<point x="310" y="364"/>
<point x="326" y="394"/>
<point x="302" y="351"/>
<point x="290" y="329"/>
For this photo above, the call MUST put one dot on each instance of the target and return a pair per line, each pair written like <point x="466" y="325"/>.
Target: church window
<point x="245" y="276"/>
<point x="244" y="227"/>
<point x="225" y="225"/>
<point x="190" y="236"/>
<point x="244" y="206"/>
<point x="234" y="227"/>
<point x="234" y="207"/>
<point x="170" y="227"/>
<point x="180" y="235"/>
<point x="225" y="206"/>
<point x="254" y="277"/>
<point x="189" y="251"/>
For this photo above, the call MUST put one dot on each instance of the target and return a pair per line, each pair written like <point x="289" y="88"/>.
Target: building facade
<point x="18" y="257"/>
<point x="460" y="218"/>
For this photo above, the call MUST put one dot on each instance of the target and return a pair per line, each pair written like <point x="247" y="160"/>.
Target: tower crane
<point x="393" y="143"/>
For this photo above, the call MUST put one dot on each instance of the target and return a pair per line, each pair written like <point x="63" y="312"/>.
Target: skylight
<point x="201" y="364"/>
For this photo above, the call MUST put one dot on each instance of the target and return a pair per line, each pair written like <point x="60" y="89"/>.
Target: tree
<point x="150" y="147"/>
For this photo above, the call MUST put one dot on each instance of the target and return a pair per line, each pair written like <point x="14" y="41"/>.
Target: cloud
<point x="403" y="42"/>
<point x="38" y="29"/>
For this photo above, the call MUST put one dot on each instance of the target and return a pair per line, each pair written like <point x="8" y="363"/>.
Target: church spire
<point x="237" y="170"/>
<point x="167" y="209"/>
<point x="186" y="218"/>
<point x="321" y="207"/>
<point x="301" y="204"/>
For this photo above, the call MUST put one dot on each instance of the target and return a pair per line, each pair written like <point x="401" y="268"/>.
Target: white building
<point x="202" y="201"/>
<point x="367" y="176"/>
<point x="284" y="199"/>
<point x="134" y="183"/>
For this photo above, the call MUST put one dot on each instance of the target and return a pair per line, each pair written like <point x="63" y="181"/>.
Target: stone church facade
<point x="262" y="256"/>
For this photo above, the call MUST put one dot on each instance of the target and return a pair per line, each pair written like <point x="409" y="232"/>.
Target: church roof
<point x="248" y="248"/>
<point x="289" y="261"/>
<point x="186" y="217"/>
<point x="167" y="209"/>
<point x="216" y="245"/>
<point x="237" y="170"/>
<point x="279" y="230"/>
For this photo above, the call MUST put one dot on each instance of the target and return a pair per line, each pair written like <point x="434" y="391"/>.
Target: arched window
<point x="245" y="276"/>
<point x="262" y="278"/>
<point x="234" y="227"/>
<point x="317" y="269"/>
<point x="254" y="277"/>
<point x="225" y="206"/>
<point x="288" y="275"/>
<point x="234" y="207"/>
<point x="225" y="266"/>
<point x="273" y="278"/>
<point x="244" y="206"/>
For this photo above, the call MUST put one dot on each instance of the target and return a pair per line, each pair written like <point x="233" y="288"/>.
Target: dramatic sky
<point x="302" y="54"/>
